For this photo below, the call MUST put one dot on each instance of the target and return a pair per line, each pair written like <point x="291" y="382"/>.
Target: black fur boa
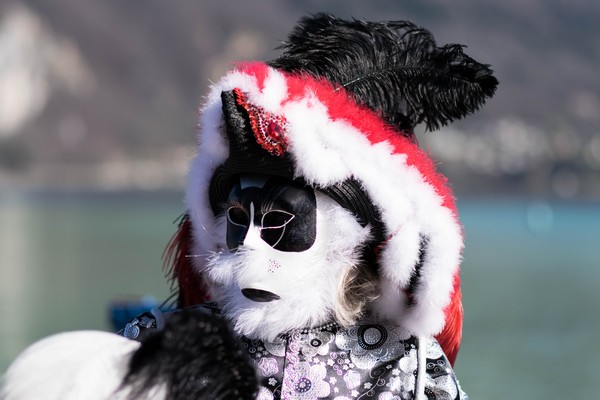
<point x="394" y="68"/>
<point x="195" y="356"/>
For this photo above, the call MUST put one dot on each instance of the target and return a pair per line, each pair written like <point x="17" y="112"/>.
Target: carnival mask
<point x="288" y="249"/>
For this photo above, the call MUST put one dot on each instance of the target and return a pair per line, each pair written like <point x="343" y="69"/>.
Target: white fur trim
<point x="327" y="151"/>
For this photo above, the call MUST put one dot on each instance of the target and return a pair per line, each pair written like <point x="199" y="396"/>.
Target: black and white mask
<point x="283" y="213"/>
<point x="287" y="251"/>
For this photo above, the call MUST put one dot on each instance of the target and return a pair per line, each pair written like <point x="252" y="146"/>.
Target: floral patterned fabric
<point x="366" y="361"/>
<point x="370" y="360"/>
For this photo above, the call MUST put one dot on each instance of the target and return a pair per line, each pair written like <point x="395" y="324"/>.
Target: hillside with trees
<point x="105" y="93"/>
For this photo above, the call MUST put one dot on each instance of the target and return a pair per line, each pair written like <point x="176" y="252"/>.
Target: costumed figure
<point x="317" y="227"/>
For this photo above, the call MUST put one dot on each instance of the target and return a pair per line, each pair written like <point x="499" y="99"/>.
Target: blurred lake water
<point x="530" y="281"/>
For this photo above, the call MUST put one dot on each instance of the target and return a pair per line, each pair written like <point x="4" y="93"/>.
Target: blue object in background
<point x="123" y="311"/>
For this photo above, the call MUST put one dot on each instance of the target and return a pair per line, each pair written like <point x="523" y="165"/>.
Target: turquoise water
<point x="530" y="281"/>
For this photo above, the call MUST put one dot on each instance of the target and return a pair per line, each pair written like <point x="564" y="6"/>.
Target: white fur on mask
<point x="307" y="282"/>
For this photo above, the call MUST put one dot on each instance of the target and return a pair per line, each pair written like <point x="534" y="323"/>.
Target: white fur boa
<point x="75" y="365"/>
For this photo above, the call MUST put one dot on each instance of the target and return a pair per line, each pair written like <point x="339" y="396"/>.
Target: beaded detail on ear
<point x="270" y="130"/>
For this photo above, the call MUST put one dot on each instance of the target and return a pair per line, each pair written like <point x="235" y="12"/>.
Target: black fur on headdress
<point x="395" y="68"/>
<point x="195" y="356"/>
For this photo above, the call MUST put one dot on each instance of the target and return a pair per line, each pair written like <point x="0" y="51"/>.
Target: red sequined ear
<point x="270" y="130"/>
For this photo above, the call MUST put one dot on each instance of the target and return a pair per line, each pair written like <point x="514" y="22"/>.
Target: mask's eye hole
<point x="276" y="219"/>
<point x="237" y="216"/>
<point x="273" y="226"/>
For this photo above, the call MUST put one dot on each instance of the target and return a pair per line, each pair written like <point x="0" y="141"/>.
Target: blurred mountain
<point x="106" y="92"/>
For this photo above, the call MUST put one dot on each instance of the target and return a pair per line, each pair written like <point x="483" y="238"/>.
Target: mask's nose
<point x="241" y="228"/>
<point x="260" y="296"/>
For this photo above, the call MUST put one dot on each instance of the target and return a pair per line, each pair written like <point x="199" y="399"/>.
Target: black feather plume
<point x="394" y="68"/>
<point x="196" y="356"/>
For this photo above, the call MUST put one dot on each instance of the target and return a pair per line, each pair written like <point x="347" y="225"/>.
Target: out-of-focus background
<point x="98" y="108"/>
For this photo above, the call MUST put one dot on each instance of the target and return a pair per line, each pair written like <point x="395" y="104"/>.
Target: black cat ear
<point x="395" y="68"/>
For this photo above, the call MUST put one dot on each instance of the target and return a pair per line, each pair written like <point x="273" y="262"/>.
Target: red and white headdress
<point x="336" y="111"/>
